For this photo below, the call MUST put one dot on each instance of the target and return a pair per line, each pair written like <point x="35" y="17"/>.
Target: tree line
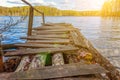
<point x="111" y="8"/>
<point x="49" y="11"/>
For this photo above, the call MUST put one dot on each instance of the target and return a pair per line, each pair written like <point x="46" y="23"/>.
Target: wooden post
<point x="43" y="18"/>
<point x="31" y="13"/>
<point x="1" y="55"/>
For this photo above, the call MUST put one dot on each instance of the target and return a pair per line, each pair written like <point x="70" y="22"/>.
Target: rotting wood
<point x="22" y="52"/>
<point x="59" y="71"/>
<point x="8" y="46"/>
<point x="49" y="28"/>
<point x="114" y="74"/>
<point x="59" y="30"/>
<point x="79" y="78"/>
<point x="11" y="64"/>
<point x="82" y="39"/>
<point x="44" y="38"/>
<point x="72" y="58"/>
<point x="50" y="41"/>
<point x="57" y="59"/>
<point x="51" y="36"/>
<point x="5" y="76"/>
<point x="24" y="64"/>
<point x="29" y="45"/>
<point x="55" y="24"/>
<point x="41" y="38"/>
<point x="38" y="61"/>
<point x="75" y="38"/>
<point x="8" y="50"/>
<point x="49" y="32"/>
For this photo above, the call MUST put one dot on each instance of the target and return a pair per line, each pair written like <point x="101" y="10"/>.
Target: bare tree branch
<point x="9" y="23"/>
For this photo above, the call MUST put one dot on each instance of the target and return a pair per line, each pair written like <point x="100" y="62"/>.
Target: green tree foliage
<point x="49" y="11"/>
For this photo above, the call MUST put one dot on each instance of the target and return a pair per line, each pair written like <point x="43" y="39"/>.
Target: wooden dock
<point x="55" y="51"/>
<point x="56" y="54"/>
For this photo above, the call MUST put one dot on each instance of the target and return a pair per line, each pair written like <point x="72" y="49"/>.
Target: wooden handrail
<point x="32" y="6"/>
<point x="31" y="15"/>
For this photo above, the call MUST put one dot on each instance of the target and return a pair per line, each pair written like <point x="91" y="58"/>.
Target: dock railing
<point x="31" y="15"/>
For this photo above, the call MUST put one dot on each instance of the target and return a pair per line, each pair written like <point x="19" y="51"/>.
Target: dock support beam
<point x="31" y="13"/>
<point x="1" y="55"/>
<point x="43" y="18"/>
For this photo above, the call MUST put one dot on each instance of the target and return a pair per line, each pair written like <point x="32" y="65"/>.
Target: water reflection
<point x="110" y="27"/>
<point x="109" y="35"/>
<point x="96" y="29"/>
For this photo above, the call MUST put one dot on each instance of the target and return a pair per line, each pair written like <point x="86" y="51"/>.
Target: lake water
<point x="104" y="33"/>
<point x="93" y="28"/>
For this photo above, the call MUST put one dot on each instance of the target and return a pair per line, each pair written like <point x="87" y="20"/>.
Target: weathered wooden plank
<point x="72" y="58"/>
<point x="50" y="41"/>
<point x="51" y="36"/>
<point x="42" y="38"/>
<point x="57" y="59"/>
<point x="55" y="24"/>
<point x="36" y="51"/>
<point x="39" y="61"/>
<point x="49" y="32"/>
<point x="82" y="40"/>
<point x="8" y="46"/>
<point x="53" y="27"/>
<point x="24" y="64"/>
<point x="79" y="78"/>
<point x="75" y="38"/>
<point x="49" y="28"/>
<point x="58" y="30"/>
<point x="5" y="76"/>
<point x="59" y="71"/>
<point x="61" y="30"/>
<point x="31" y="45"/>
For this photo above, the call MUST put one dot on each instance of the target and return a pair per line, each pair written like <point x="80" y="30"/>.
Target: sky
<point x="61" y="4"/>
